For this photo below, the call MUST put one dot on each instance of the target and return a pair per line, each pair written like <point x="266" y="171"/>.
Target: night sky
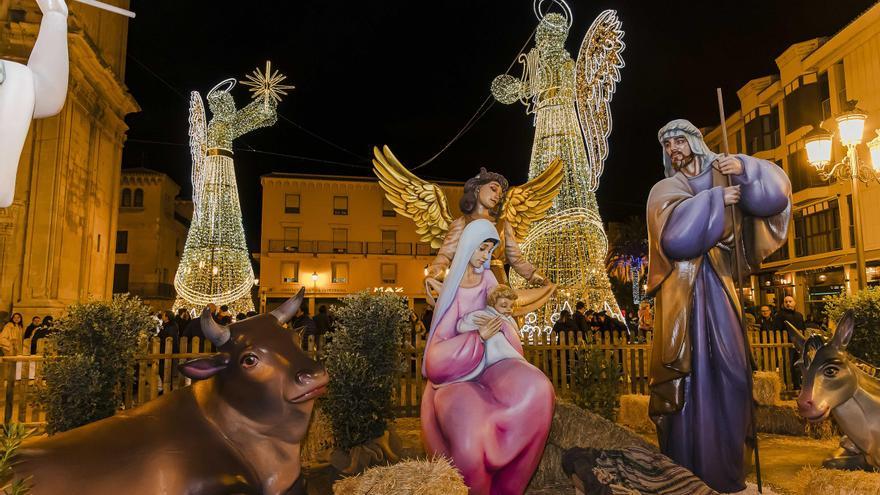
<point x="411" y="73"/>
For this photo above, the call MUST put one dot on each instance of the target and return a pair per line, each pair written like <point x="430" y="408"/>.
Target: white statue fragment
<point x="33" y="91"/>
<point x="36" y="90"/>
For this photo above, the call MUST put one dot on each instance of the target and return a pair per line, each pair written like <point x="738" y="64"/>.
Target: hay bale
<point x="784" y="419"/>
<point x="633" y="413"/>
<point x="575" y="427"/>
<point x="413" y="477"/>
<point x="767" y="387"/>
<point x="813" y="481"/>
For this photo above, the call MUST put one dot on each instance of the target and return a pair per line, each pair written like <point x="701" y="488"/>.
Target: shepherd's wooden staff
<point x="738" y="249"/>
<point x="108" y="7"/>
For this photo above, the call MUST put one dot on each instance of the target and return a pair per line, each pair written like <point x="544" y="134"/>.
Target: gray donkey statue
<point x="834" y="385"/>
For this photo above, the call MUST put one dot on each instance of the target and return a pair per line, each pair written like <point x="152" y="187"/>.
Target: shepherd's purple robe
<point x="700" y="371"/>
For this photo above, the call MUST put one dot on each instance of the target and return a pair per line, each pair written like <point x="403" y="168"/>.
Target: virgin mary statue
<point x="492" y="420"/>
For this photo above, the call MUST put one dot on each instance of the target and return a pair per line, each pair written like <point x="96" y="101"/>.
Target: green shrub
<point x="865" y="343"/>
<point x="11" y="436"/>
<point x="97" y="345"/>
<point x="596" y="382"/>
<point x="363" y="362"/>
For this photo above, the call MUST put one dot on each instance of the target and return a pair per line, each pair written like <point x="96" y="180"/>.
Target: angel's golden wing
<point x="413" y="197"/>
<point x="529" y="202"/>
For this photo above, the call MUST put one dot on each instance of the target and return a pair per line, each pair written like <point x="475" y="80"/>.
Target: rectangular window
<point x="340" y="240"/>
<point x="389" y="273"/>
<point x="291" y="203"/>
<point x="803" y="101"/>
<point x="387" y="208"/>
<point x="389" y="241"/>
<point x="840" y="77"/>
<point x="852" y="228"/>
<point x="340" y="205"/>
<point x="817" y="228"/>
<point x="289" y="272"/>
<point x="291" y="239"/>
<point x="802" y="174"/>
<point x="121" y="241"/>
<point x="339" y="272"/>
<point x="120" y="278"/>
<point x="762" y="130"/>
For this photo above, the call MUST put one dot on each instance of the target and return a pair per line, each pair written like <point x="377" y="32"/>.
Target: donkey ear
<point x="796" y="336"/>
<point x="206" y="367"/>
<point x="844" y="331"/>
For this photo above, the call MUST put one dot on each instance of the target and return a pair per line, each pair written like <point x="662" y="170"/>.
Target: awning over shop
<point x="840" y="260"/>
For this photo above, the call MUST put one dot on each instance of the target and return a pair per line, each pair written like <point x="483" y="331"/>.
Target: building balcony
<point x="152" y="291"/>
<point x="339" y="247"/>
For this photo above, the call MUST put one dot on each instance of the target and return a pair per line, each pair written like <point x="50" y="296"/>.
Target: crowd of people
<point x="13" y="334"/>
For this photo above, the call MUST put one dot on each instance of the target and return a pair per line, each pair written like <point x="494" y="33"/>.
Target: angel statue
<point x="571" y="103"/>
<point x="486" y="196"/>
<point x="215" y="266"/>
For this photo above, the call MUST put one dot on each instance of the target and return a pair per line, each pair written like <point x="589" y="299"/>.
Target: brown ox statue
<point x="834" y="386"/>
<point x="237" y="430"/>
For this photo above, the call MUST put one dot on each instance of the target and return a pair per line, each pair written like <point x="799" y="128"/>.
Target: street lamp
<point x="851" y="129"/>
<point x="314" y="280"/>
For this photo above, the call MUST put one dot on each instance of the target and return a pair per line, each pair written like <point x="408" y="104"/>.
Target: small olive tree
<point x="363" y="362"/>
<point x="596" y="383"/>
<point x="95" y="346"/>
<point x="865" y="343"/>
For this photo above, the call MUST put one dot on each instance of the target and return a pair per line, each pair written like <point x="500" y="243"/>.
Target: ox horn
<point x="215" y="332"/>
<point x="286" y="311"/>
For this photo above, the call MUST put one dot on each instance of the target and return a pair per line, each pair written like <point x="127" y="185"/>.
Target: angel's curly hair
<point x="468" y="201"/>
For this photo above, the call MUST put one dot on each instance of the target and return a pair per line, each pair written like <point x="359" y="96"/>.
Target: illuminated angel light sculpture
<point x="571" y="103"/>
<point x="215" y="266"/>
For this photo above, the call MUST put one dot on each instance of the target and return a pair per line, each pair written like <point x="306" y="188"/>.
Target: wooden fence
<point x="156" y="371"/>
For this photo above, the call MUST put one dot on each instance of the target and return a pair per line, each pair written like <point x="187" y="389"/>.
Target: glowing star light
<point x="266" y="85"/>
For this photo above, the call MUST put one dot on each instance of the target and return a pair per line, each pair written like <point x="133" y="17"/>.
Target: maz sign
<point x="398" y="290"/>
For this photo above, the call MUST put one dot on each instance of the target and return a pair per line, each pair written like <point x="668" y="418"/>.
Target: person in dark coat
<point x="788" y="314"/>
<point x="302" y="320"/>
<point x="41" y="332"/>
<point x="580" y="319"/>
<point x="194" y="329"/>
<point x="182" y="319"/>
<point x="169" y="329"/>
<point x="565" y="327"/>
<point x="322" y="320"/>
<point x="765" y="319"/>
<point x="427" y="316"/>
<point x="29" y="331"/>
<point x="224" y="317"/>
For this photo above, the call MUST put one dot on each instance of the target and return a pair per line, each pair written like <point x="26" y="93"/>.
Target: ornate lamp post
<point x="851" y="128"/>
<point x="314" y="281"/>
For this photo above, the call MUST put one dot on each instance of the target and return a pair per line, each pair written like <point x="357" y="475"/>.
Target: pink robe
<point x="494" y="427"/>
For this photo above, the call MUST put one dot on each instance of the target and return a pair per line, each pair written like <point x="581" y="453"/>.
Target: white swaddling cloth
<point x="495" y="349"/>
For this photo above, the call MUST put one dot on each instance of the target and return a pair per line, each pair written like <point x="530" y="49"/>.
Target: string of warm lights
<point x="215" y="266"/>
<point x="570" y="103"/>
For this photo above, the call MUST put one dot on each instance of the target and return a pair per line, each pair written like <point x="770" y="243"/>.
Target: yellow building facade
<point x="57" y="240"/>
<point x="150" y="236"/>
<point x="816" y="79"/>
<point x="337" y="236"/>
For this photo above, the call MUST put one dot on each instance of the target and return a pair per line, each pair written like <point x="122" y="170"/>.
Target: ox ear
<point x="206" y="367"/>
<point x="844" y="331"/>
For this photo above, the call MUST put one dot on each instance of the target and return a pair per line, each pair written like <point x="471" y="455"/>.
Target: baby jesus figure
<point x="497" y="328"/>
